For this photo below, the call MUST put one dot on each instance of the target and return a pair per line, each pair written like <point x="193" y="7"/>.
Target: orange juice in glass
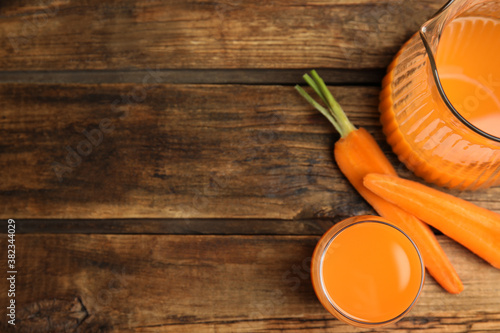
<point x="440" y="102"/>
<point x="367" y="272"/>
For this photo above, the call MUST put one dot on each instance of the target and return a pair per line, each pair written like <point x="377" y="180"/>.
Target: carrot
<point x="357" y="154"/>
<point x="475" y="227"/>
<point x="355" y="167"/>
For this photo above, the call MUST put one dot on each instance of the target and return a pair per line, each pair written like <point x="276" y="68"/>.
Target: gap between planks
<point x="309" y="227"/>
<point x="367" y="77"/>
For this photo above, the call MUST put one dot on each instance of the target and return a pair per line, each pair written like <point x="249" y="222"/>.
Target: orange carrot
<point x="357" y="154"/>
<point x="475" y="227"/>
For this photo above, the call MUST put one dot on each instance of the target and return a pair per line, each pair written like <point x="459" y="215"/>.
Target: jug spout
<point x="430" y="31"/>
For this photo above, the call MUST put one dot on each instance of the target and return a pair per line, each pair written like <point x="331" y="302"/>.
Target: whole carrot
<point x="475" y="227"/>
<point x="357" y="154"/>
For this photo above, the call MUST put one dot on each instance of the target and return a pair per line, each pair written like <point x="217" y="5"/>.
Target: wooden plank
<point x="133" y="34"/>
<point x="178" y="151"/>
<point x="163" y="283"/>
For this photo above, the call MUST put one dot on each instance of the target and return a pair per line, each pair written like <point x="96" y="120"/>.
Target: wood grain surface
<point x="178" y="151"/>
<point x="162" y="283"/>
<point x="131" y="34"/>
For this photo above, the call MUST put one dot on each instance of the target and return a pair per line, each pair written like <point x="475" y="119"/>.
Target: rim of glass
<point x="342" y="312"/>
<point x="437" y="80"/>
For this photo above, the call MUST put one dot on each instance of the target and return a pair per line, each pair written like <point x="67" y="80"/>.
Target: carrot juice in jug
<point x="440" y="103"/>
<point x="469" y="71"/>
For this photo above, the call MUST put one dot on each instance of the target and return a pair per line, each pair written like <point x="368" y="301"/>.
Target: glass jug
<point x="440" y="99"/>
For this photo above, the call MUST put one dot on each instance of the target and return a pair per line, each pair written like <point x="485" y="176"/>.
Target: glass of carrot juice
<point x="440" y="102"/>
<point x="367" y="272"/>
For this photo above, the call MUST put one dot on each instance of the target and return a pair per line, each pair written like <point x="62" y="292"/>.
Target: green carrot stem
<point x="315" y="87"/>
<point x="334" y="112"/>
<point x="318" y="107"/>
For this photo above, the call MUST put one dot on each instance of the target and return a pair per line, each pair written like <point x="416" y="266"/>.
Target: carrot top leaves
<point x="333" y="111"/>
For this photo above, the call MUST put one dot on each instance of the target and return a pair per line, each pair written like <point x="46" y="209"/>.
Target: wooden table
<point x="165" y="176"/>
